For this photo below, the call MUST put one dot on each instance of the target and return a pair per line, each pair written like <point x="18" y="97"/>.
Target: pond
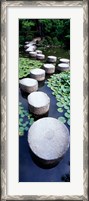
<point x="56" y="51"/>
<point x="29" y="171"/>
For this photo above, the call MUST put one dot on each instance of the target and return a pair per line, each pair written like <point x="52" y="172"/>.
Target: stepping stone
<point x="31" y="48"/>
<point x="52" y="59"/>
<point x="49" y="68"/>
<point x="37" y="39"/>
<point x="63" y="67"/>
<point x="32" y="54"/>
<point x="38" y="74"/>
<point x="63" y="60"/>
<point x="48" y="139"/>
<point x="39" y="103"/>
<point x="38" y="51"/>
<point x="27" y="42"/>
<point x="28" y="45"/>
<point x="28" y="85"/>
<point x="40" y="56"/>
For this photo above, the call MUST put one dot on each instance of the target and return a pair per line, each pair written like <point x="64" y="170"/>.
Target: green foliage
<point x="55" y="41"/>
<point x="52" y="31"/>
<point x="25" y="120"/>
<point x="62" y="119"/>
<point x="60" y="86"/>
<point x="26" y="64"/>
<point x="49" y="40"/>
<point x="26" y="30"/>
<point x="27" y="24"/>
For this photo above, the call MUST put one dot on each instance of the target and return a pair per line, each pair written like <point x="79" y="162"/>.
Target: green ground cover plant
<point x="60" y="86"/>
<point x="26" y="64"/>
<point x="25" y="120"/>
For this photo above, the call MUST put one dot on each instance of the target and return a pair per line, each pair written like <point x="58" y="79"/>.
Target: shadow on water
<point x="45" y="164"/>
<point x="37" y="117"/>
<point x="24" y="94"/>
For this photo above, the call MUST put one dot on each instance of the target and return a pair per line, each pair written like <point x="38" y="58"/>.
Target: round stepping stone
<point x="28" y="85"/>
<point x="52" y="59"/>
<point x="39" y="103"/>
<point x="38" y="74"/>
<point x="40" y="56"/>
<point x="32" y="54"/>
<point x="48" y="139"/>
<point x="63" y="67"/>
<point x="49" y="68"/>
<point x="63" y="60"/>
<point x="38" y="51"/>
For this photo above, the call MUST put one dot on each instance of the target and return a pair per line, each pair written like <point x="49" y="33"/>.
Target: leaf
<point x="21" y="133"/>
<point x="25" y="124"/>
<point x="60" y="110"/>
<point x="29" y="116"/>
<point x="20" y="119"/>
<point x="31" y="121"/>
<point x="21" y="129"/>
<point x="66" y="107"/>
<point x="67" y="115"/>
<point x="59" y="104"/>
<point x="58" y="96"/>
<point x="68" y="111"/>
<point x="22" y="115"/>
<point x="68" y="122"/>
<point x="26" y="128"/>
<point x="53" y="93"/>
<point x="62" y="119"/>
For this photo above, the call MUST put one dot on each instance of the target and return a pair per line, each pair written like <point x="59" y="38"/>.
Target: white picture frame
<point x="4" y="104"/>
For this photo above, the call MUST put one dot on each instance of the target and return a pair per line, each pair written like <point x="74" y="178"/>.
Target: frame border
<point x="4" y="5"/>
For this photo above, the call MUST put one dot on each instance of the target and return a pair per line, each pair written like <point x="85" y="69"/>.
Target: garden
<point x="44" y="95"/>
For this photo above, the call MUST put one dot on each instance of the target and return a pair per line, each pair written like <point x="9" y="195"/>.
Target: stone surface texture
<point x="31" y="48"/>
<point x="51" y="59"/>
<point x="40" y="56"/>
<point x="63" y="67"/>
<point x="38" y="51"/>
<point x="39" y="103"/>
<point x="28" y="85"/>
<point x="48" y="138"/>
<point x="49" y="68"/>
<point x="33" y="54"/>
<point x="64" y="60"/>
<point x="38" y="74"/>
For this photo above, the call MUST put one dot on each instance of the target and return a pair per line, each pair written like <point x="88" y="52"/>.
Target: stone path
<point x="48" y="137"/>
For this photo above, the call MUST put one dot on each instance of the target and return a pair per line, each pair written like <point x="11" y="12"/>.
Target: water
<point x="29" y="171"/>
<point x="52" y="51"/>
<point x="57" y="51"/>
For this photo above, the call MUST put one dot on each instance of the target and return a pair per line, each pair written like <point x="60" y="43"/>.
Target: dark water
<point x="29" y="171"/>
<point x="57" y="51"/>
<point x="52" y="51"/>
